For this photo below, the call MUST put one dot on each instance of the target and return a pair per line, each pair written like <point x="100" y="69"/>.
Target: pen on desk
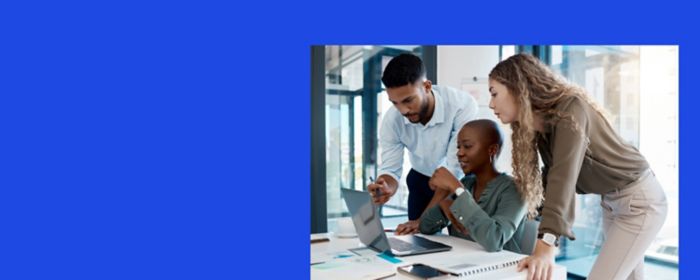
<point x="319" y="240"/>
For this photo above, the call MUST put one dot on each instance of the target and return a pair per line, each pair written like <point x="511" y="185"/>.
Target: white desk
<point x="459" y="247"/>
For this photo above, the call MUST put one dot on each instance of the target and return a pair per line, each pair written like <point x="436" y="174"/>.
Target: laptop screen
<point x="366" y="218"/>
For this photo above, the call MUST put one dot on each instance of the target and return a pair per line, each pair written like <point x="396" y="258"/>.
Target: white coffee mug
<point x="345" y="229"/>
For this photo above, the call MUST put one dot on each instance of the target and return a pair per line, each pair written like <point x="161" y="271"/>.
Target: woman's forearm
<point x="439" y="195"/>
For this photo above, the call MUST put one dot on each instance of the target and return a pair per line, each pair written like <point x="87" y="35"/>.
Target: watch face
<point x="459" y="191"/>
<point x="549" y="238"/>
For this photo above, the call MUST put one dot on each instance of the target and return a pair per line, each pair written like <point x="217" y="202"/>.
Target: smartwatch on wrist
<point x="459" y="191"/>
<point x="549" y="239"/>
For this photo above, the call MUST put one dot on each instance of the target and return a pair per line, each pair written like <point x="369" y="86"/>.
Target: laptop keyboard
<point x="402" y="246"/>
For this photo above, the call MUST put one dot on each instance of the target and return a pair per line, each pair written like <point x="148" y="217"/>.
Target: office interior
<point x="636" y="85"/>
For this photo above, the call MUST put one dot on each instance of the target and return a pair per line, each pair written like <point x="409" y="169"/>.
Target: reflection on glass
<point x="637" y="86"/>
<point x="353" y="82"/>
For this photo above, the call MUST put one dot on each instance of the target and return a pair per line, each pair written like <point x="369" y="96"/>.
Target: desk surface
<point x="459" y="247"/>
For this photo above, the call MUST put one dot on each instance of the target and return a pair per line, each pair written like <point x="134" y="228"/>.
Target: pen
<point x="377" y="191"/>
<point x="319" y="240"/>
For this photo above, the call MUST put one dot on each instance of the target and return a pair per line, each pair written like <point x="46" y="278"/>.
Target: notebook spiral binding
<point x="488" y="268"/>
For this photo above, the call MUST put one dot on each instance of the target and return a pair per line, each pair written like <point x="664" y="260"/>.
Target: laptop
<point x="365" y="216"/>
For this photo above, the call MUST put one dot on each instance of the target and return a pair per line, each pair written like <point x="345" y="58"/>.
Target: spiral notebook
<point x="474" y="264"/>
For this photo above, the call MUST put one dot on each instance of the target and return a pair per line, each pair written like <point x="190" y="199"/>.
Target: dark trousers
<point x="419" y="194"/>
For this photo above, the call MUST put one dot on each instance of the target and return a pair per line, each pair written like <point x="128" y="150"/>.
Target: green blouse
<point x="495" y="221"/>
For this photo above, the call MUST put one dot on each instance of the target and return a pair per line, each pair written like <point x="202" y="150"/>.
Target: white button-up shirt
<point x="431" y="145"/>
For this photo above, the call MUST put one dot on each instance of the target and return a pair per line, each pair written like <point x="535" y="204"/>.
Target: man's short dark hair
<point x="405" y="69"/>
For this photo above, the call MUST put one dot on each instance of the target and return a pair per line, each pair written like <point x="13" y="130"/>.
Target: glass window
<point x="638" y="87"/>
<point x="353" y="84"/>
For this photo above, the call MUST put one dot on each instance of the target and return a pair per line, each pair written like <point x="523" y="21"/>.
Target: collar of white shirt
<point x="438" y="114"/>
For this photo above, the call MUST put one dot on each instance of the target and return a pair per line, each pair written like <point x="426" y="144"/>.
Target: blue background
<point x="172" y="140"/>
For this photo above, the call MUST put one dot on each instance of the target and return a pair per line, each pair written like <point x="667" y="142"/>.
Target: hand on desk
<point x="409" y="227"/>
<point x="540" y="264"/>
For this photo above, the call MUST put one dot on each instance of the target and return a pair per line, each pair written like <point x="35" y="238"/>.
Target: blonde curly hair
<point x="537" y="91"/>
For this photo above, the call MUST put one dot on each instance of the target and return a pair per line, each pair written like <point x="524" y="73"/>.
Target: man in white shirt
<point x="425" y="120"/>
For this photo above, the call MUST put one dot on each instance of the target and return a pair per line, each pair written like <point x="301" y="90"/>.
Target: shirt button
<point x="460" y="218"/>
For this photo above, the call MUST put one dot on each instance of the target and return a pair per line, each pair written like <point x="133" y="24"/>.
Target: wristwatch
<point x="549" y="239"/>
<point x="459" y="191"/>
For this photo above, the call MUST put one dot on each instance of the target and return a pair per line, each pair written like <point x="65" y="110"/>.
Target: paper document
<point x="356" y="267"/>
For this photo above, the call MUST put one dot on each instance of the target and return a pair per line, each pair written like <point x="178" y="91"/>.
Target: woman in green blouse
<point x="486" y="207"/>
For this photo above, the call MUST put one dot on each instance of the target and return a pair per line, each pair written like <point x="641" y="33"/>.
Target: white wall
<point x="457" y="66"/>
<point x="458" y="62"/>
